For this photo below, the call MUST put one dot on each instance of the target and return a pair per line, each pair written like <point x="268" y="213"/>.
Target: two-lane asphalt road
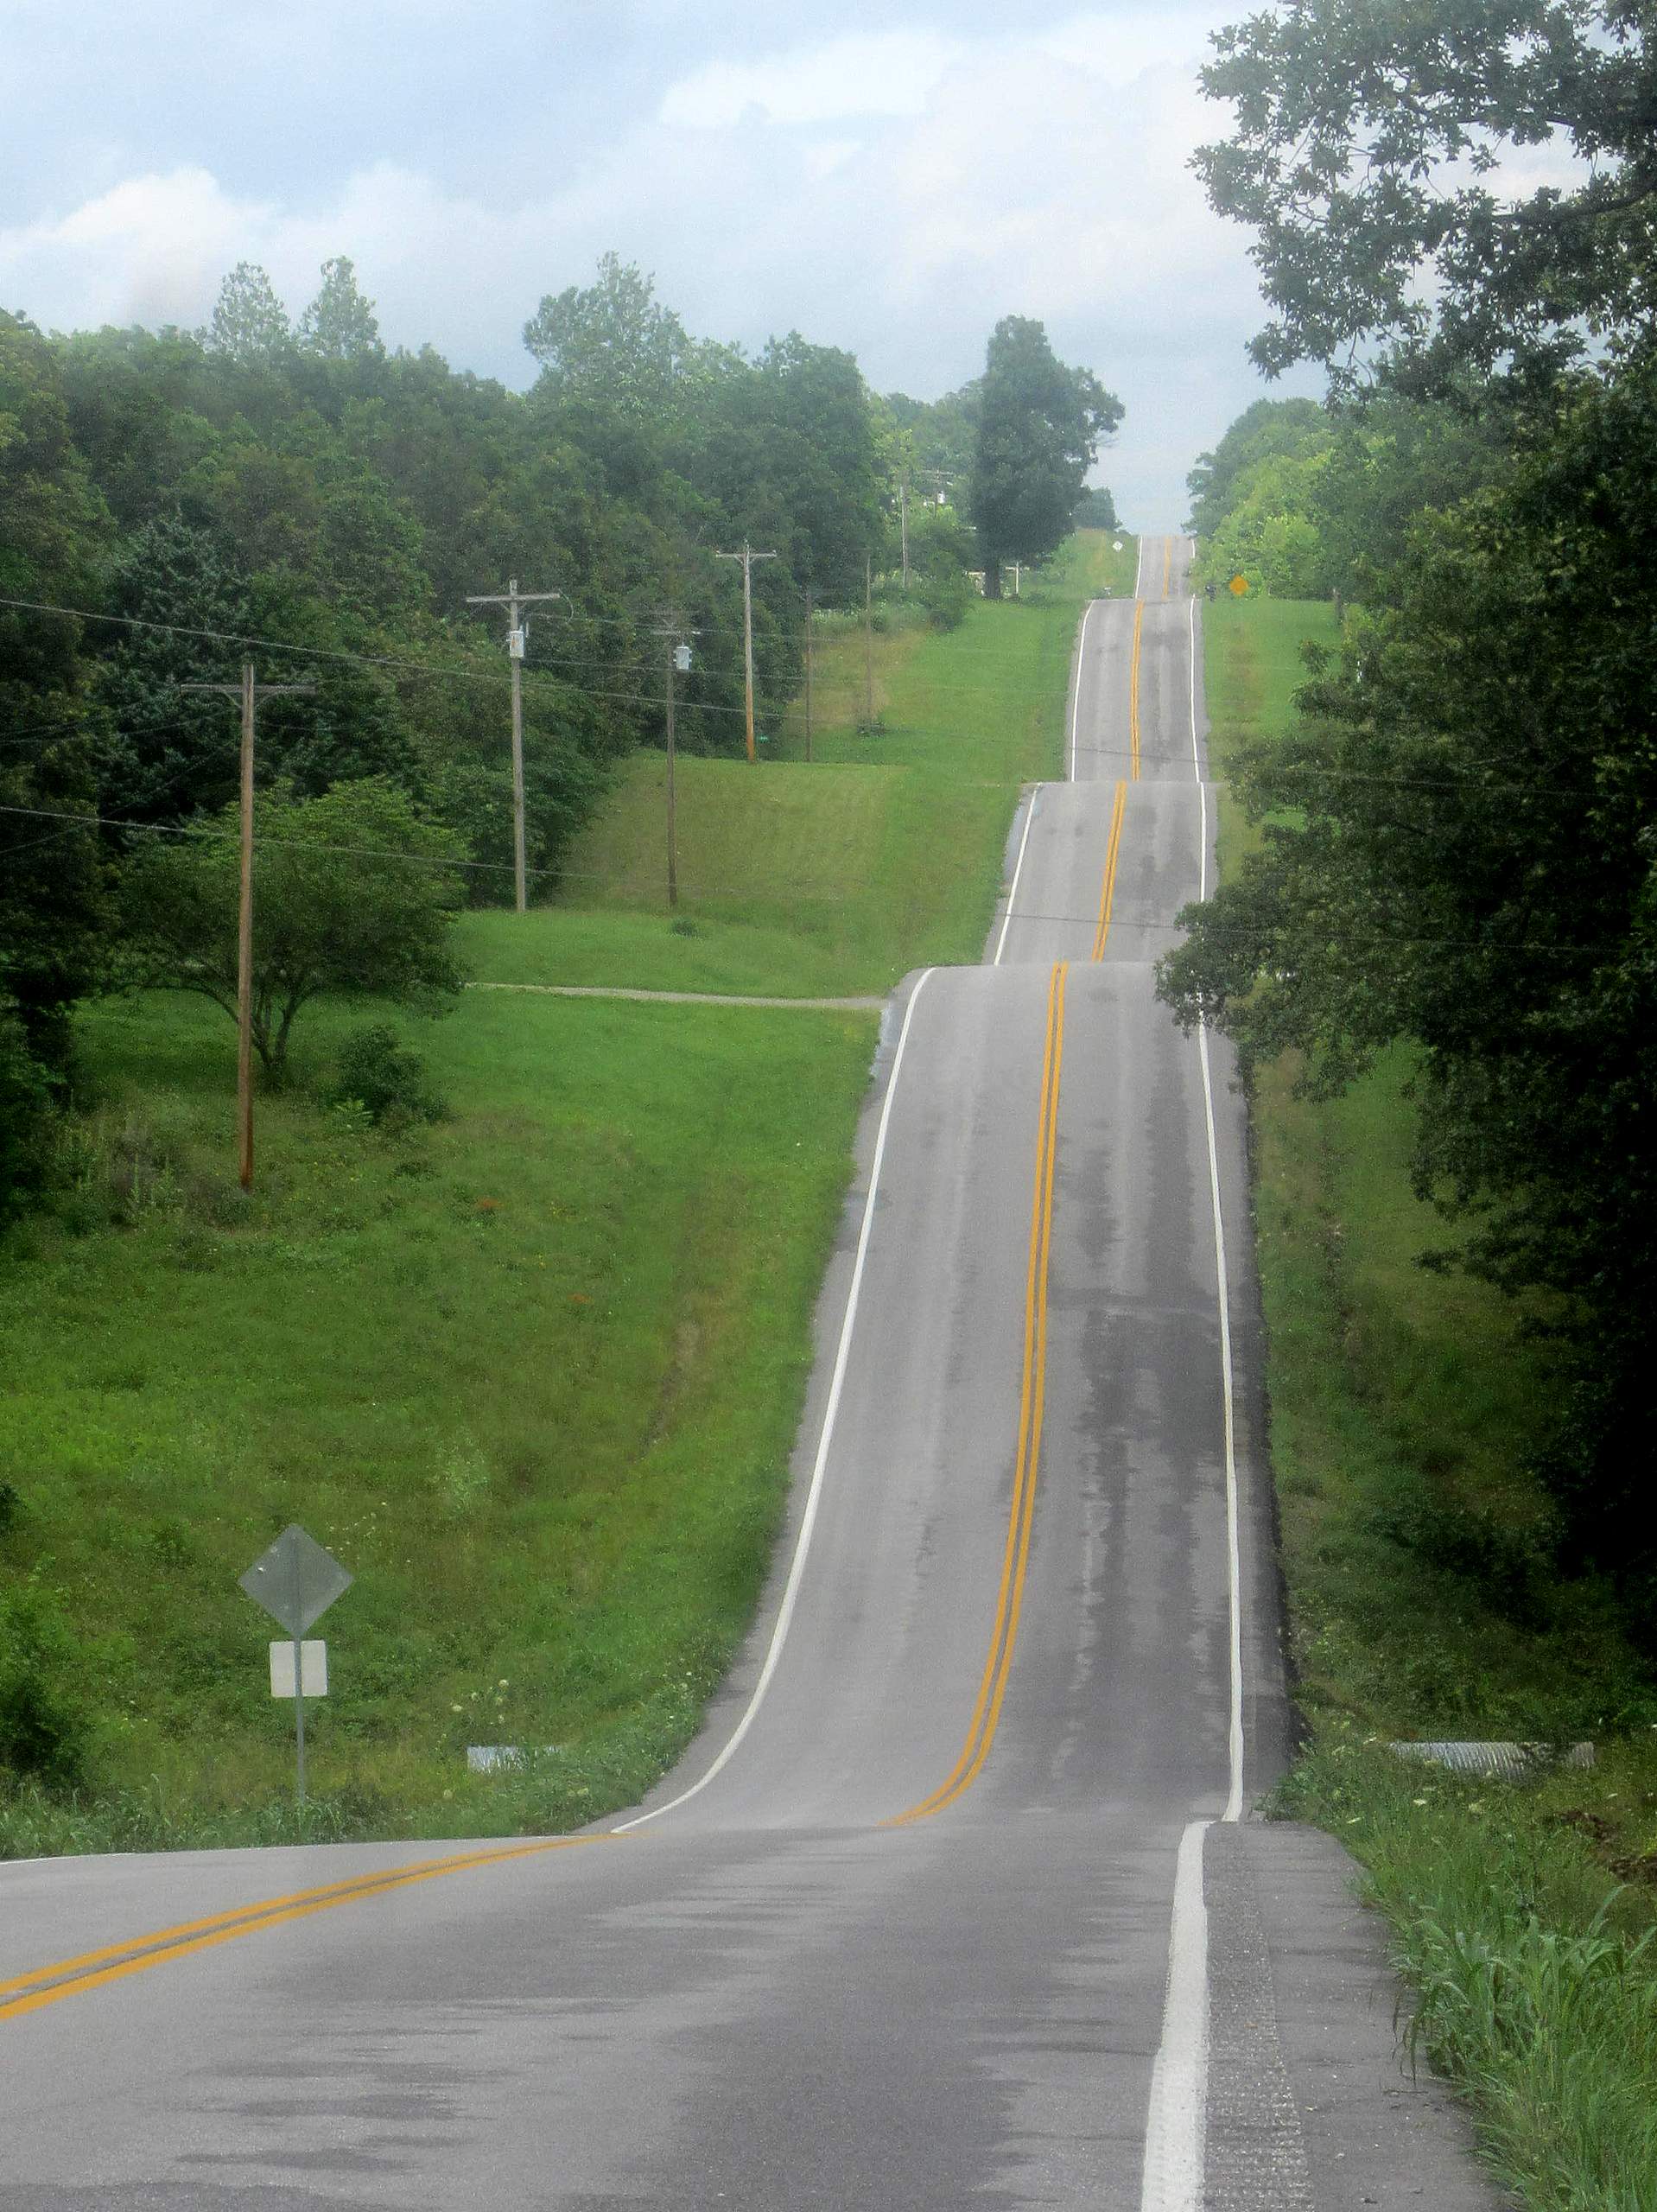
<point x="921" y="1921"/>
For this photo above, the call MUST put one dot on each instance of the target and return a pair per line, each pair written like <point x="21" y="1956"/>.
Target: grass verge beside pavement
<point x="533" y="1372"/>
<point x="1424" y="1603"/>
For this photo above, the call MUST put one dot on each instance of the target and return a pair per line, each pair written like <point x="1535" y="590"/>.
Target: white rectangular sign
<point x="313" y="1668"/>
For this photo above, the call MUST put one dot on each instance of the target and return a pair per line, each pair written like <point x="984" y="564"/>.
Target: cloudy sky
<point x="889" y="179"/>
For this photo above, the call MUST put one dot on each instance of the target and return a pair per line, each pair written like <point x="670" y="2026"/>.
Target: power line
<point x="422" y="671"/>
<point x="430" y="673"/>
<point x="1557" y="945"/>
<point x="638" y="625"/>
<point x="168" y="784"/>
<point x="40" y="733"/>
<point x="364" y="852"/>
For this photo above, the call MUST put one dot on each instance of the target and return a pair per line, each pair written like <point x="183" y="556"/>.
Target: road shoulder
<point x="1323" y="2009"/>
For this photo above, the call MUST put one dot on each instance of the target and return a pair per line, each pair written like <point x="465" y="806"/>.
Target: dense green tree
<point x="250" y="324"/>
<point x="613" y="343"/>
<point x="305" y="487"/>
<point x="1293" y="429"/>
<point x="1040" y="425"/>
<point x="1460" y="852"/>
<point x="182" y="609"/>
<point x="54" y="532"/>
<point x="941" y="436"/>
<point x="354" y="892"/>
<point x="791" y="453"/>
<point x="340" y="324"/>
<point x="141" y="413"/>
<point x="1366" y="155"/>
<point x="1391" y="462"/>
<point x="1304" y="501"/>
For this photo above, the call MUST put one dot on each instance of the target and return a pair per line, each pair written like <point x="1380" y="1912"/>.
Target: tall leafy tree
<point x="611" y="342"/>
<point x="250" y="324"/>
<point x="54" y="532"/>
<point x="1367" y="155"/>
<point x="1040" y="425"/>
<point x="1459" y="851"/>
<point x="1293" y="427"/>
<point x="340" y="324"/>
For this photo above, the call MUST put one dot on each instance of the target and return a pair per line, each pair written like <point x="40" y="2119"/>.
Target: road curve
<point x="897" y="1932"/>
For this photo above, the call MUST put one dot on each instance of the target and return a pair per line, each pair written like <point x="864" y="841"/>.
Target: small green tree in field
<point x="352" y="893"/>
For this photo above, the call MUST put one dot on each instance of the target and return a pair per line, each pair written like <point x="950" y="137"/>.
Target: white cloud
<point x="878" y="74"/>
<point x="1120" y="44"/>
<point x="146" y="250"/>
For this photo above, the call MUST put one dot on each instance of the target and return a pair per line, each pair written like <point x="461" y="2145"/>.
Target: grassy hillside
<point x="839" y="874"/>
<point x="533" y="1371"/>
<point x="1424" y="1603"/>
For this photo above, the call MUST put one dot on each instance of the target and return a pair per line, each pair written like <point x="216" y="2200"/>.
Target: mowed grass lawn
<point x="882" y="854"/>
<point x="532" y="1373"/>
<point x="1424" y="1603"/>
<point x="1254" y="665"/>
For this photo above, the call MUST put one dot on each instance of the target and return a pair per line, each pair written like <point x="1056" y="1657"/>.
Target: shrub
<point x="377" y="1073"/>
<point x="41" y="1732"/>
<point x="24" y="1099"/>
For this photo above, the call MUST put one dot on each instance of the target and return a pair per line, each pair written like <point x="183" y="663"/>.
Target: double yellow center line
<point x="1133" y="692"/>
<point x="1108" y="888"/>
<point x="29" y="1993"/>
<point x="998" y="1665"/>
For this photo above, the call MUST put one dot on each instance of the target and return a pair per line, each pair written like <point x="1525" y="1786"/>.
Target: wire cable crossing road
<point x="954" y="1902"/>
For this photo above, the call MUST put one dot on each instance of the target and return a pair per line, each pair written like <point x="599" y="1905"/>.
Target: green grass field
<point x="1252" y="666"/>
<point x="533" y="1372"/>
<point x="1422" y="1604"/>
<point x="838" y="874"/>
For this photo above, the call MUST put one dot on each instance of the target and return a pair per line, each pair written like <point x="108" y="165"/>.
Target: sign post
<point x="296" y="1581"/>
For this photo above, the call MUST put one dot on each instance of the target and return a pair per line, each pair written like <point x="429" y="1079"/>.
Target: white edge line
<point x="1029" y="815"/>
<point x="1139" y="569"/>
<point x="1075" y="696"/>
<point x="1197" y="763"/>
<point x="1234" y="1552"/>
<point x="1176" y="2123"/>
<point x="1234" y="1562"/>
<point x="803" y="1543"/>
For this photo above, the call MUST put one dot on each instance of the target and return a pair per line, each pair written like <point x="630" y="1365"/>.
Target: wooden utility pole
<point x="810" y="609"/>
<point x="903" y="510"/>
<point x="676" y="662"/>
<point x="868" y="644"/>
<point x="747" y="557"/>
<point x="244" y="938"/>
<point x="249" y="691"/>
<point x="515" y="601"/>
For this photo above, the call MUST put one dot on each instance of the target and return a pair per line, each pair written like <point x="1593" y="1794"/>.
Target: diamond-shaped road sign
<point x="296" y="1580"/>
